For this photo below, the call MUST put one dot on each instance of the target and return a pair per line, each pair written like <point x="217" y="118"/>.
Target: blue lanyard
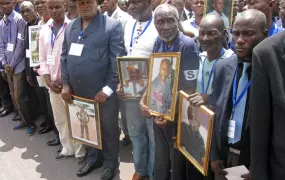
<point x="80" y="36"/>
<point x="132" y="37"/>
<point x="165" y="48"/>
<point x="211" y="72"/>
<point x="195" y="24"/>
<point x="235" y="99"/>
<point x="10" y="34"/>
<point x="52" y="40"/>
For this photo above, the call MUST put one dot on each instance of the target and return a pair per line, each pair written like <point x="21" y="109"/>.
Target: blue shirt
<point x="274" y="29"/>
<point x="189" y="60"/>
<point x="12" y="30"/>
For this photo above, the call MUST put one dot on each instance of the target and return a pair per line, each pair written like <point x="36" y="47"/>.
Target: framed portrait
<point x="195" y="126"/>
<point x="133" y="75"/>
<point x="223" y="8"/>
<point x="34" y="35"/>
<point x="84" y="122"/>
<point x="162" y="84"/>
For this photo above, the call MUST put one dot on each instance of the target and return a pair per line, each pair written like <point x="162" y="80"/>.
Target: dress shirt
<point x="121" y="16"/>
<point x="13" y="26"/>
<point x="274" y="29"/>
<point x="144" y="45"/>
<point x="191" y="26"/>
<point x="189" y="14"/>
<point x="45" y="49"/>
<point x="224" y="17"/>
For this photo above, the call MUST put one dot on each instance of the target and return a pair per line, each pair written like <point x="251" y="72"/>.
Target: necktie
<point x="239" y="111"/>
<point x="190" y="15"/>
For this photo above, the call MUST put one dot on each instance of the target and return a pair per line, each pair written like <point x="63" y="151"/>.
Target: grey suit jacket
<point x="267" y="114"/>
<point x="96" y="67"/>
<point x="219" y="99"/>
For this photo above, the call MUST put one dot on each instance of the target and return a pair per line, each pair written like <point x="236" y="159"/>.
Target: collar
<point x="187" y="11"/>
<point x="218" y="13"/>
<point x="271" y="30"/>
<point x="116" y="11"/>
<point x="11" y="15"/>
<point x="50" y="22"/>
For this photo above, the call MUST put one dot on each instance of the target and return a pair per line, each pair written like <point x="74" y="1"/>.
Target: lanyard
<point x="211" y="72"/>
<point x="10" y="34"/>
<point x="132" y="37"/>
<point x="80" y="36"/>
<point x="195" y="24"/>
<point x="165" y="48"/>
<point x="236" y="100"/>
<point x="52" y="40"/>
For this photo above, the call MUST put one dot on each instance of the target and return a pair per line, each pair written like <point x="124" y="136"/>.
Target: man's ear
<point x="265" y="33"/>
<point x="271" y="3"/>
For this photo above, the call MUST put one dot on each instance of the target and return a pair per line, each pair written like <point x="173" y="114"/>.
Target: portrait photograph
<point x="223" y="8"/>
<point x="84" y="122"/>
<point x="133" y="76"/>
<point x="34" y="34"/>
<point x="162" y="85"/>
<point x="194" y="133"/>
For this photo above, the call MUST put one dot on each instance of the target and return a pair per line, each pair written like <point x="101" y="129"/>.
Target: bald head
<point x="213" y="20"/>
<point x="28" y="12"/>
<point x="253" y="17"/>
<point x="249" y="29"/>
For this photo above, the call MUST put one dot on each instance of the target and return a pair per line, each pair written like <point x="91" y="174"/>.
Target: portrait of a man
<point x="84" y="122"/>
<point x="221" y="8"/>
<point x="191" y="139"/>
<point x="160" y="91"/>
<point x="133" y="75"/>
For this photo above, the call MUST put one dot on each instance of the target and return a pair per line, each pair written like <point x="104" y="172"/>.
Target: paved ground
<point x="29" y="158"/>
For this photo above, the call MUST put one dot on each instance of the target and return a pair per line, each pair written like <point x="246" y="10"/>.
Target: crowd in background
<point x="235" y="69"/>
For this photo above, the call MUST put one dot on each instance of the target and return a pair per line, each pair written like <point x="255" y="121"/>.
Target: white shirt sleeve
<point x="108" y="91"/>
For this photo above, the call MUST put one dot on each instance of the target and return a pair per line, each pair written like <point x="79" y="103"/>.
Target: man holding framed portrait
<point x="166" y="19"/>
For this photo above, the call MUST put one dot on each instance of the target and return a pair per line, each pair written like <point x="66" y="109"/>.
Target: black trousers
<point x="5" y="96"/>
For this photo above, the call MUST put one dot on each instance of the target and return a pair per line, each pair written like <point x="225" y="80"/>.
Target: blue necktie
<point x="238" y="116"/>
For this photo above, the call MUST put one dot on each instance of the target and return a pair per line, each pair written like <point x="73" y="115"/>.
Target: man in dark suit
<point x="267" y="113"/>
<point x="230" y="141"/>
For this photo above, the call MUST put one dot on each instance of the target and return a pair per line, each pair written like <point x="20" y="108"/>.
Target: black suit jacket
<point x="267" y="114"/>
<point x="219" y="100"/>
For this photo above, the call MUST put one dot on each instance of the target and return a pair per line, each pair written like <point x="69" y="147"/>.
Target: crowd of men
<point x="237" y="70"/>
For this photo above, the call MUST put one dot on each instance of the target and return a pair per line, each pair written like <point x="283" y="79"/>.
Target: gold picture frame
<point x="86" y="130"/>
<point x="228" y="10"/>
<point x="137" y="67"/>
<point x="158" y="103"/>
<point x="198" y="128"/>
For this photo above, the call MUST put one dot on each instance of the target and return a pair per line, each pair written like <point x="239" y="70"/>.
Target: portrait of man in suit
<point x="191" y="138"/>
<point x="84" y="120"/>
<point x="160" y="92"/>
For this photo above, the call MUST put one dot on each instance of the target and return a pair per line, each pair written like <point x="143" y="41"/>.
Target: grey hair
<point x="27" y="3"/>
<point x="166" y="7"/>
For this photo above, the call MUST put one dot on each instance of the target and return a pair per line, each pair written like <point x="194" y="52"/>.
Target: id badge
<point x="10" y="47"/>
<point x="231" y="129"/>
<point x="50" y="60"/>
<point x="76" y="49"/>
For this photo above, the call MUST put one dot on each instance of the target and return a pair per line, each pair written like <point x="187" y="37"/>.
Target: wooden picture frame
<point x="133" y="75"/>
<point x="163" y="101"/>
<point x="33" y="52"/>
<point x="194" y="133"/>
<point x="88" y="129"/>
<point x="227" y="12"/>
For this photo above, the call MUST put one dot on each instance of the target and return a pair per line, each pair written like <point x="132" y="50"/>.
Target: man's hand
<point x="120" y="94"/>
<point x="198" y="99"/>
<point x="101" y="97"/>
<point x="216" y="167"/>
<point x="8" y="69"/>
<point x="145" y="110"/>
<point x="66" y="94"/>
<point x="29" y="79"/>
<point x="54" y="86"/>
<point x="4" y="76"/>
<point x="246" y="176"/>
<point x="160" y="121"/>
<point x="35" y="69"/>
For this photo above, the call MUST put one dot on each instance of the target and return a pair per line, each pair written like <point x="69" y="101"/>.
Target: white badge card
<point x="20" y="36"/>
<point x="231" y="129"/>
<point x="76" y="49"/>
<point x="10" y="47"/>
<point x="51" y="60"/>
<point x="28" y="53"/>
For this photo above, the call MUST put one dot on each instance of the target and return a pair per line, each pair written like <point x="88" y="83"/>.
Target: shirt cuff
<point x="107" y="91"/>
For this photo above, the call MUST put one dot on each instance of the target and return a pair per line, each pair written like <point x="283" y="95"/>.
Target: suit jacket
<point x="96" y="67"/>
<point x="267" y="114"/>
<point x="219" y="99"/>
